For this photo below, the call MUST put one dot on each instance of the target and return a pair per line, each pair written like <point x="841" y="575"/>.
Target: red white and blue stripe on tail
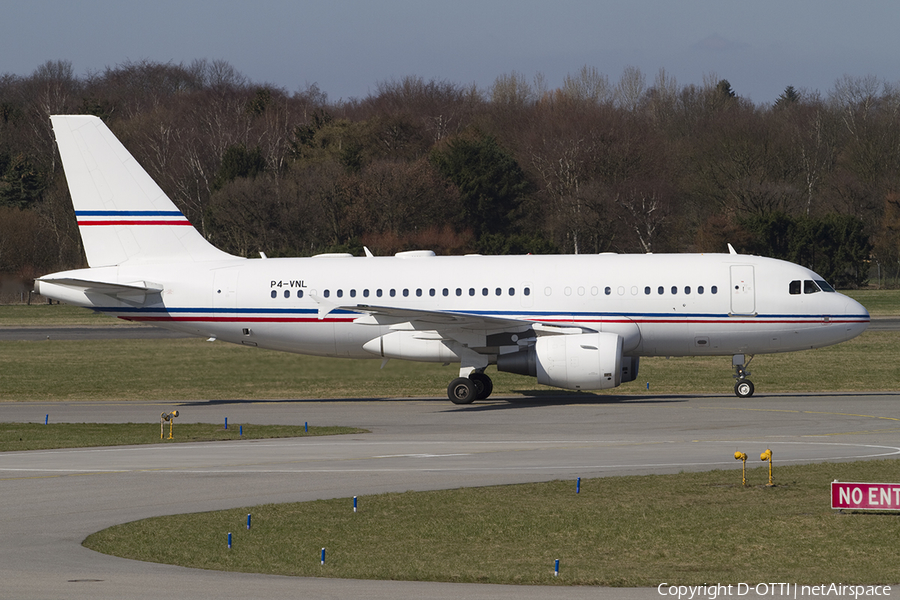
<point x="130" y="217"/>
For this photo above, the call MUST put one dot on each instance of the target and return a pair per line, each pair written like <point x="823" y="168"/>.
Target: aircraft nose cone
<point x="857" y="318"/>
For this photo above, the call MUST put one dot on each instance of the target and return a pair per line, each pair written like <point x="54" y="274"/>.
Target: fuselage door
<point x="743" y="297"/>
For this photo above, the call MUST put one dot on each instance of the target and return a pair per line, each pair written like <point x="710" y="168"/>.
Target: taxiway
<point x="51" y="500"/>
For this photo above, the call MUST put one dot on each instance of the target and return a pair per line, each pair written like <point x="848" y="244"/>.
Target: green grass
<point x="53" y="370"/>
<point x="55" y="315"/>
<point x="690" y="528"/>
<point x="879" y="303"/>
<point x="37" y="436"/>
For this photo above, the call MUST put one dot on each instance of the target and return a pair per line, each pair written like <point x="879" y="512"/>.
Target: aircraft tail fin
<point x="123" y="215"/>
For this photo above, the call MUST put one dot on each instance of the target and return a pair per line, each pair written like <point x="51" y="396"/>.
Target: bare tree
<point x="513" y="90"/>
<point x="630" y="89"/>
<point x="589" y="85"/>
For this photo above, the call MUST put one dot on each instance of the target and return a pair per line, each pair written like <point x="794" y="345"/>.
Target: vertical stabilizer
<point x="123" y="215"/>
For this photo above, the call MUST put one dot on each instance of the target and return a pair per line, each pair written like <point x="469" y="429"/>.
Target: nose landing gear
<point x="743" y="387"/>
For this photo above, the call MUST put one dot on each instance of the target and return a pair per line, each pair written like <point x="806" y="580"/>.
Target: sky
<point x="348" y="47"/>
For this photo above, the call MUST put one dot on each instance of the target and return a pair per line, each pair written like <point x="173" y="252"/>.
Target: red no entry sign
<point x="865" y="496"/>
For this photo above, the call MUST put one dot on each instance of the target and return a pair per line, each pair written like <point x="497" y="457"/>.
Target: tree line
<point x="592" y="166"/>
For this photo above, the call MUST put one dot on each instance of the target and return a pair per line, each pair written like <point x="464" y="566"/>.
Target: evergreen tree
<point x="238" y="161"/>
<point x="490" y="181"/>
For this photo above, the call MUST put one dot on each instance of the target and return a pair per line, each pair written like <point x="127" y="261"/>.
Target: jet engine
<point x="583" y="361"/>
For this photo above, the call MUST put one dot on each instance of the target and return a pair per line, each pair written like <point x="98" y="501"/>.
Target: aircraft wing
<point x="438" y="320"/>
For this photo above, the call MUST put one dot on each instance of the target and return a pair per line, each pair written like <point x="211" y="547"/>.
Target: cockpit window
<point x="825" y="286"/>
<point x="810" y="287"/>
<point x="794" y="288"/>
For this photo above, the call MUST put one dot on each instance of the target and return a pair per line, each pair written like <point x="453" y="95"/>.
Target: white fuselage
<point x="669" y="305"/>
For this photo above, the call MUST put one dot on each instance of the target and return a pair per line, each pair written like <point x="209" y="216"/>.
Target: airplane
<point x="577" y="322"/>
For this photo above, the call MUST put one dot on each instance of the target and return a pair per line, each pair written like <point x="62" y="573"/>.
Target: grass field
<point x="36" y="436"/>
<point x="686" y="529"/>
<point x="196" y="369"/>
<point x="879" y="303"/>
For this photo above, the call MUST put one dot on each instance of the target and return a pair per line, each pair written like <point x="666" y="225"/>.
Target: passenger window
<point x="512" y="291"/>
<point x="607" y="290"/>
<point x="287" y="293"/>
<point x="378" y="292"/>
<point x="366" y="293"/>
<point x="393" y="292"/>
<point x="687" y="289"/>
<point x="419" y="292"/>
<point x="471" y="291"/>
<point x="674" y="290"/>
<point x="274" y="294"/>
<point x="714" y="290"/>
<point x="810" y="287"/>
<point x="353" y="293"/>
<point x="446" y="292"/>
<point x="498" y="291"/>
<point x="484" y="291"/>
<point x="527" y="291"/>
<point x="340" y="293"/>
<point x="647" y="291"/>
<point x="326" y="293"/>
<point x="431" y="292"/>
<point x="661" y="290"/>
<point x="794" y="287"/>
<point x="459" y="291"/>
<point x="699" y="289"/>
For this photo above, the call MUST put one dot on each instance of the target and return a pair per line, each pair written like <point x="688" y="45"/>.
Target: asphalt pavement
<point x="51" y="500"/>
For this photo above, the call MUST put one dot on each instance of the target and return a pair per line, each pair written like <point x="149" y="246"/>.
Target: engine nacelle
<point x="584" y="361"/>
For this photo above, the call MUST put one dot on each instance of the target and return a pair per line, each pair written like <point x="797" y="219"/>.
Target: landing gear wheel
<point x="462" y="391"/>
<point x="743" y="388"/>
<point x="483" y="385"/>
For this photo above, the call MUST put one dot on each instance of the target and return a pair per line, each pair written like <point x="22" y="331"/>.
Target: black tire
<point x="743" y="388"/>
<point x="461" y="391"/>
<point x="483" y="385"/>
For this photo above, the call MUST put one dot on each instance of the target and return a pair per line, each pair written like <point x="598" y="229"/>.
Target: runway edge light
<point x="742" y="456"/>
<point x="767" y="455"/>
<point x="170" y="418"/>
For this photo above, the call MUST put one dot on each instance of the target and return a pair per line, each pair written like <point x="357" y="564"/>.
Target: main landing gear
<point x="743" y="387"/>
<point x="465" y="390"/>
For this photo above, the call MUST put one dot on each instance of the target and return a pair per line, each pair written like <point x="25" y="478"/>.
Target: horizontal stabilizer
<point x="103" y="287"/>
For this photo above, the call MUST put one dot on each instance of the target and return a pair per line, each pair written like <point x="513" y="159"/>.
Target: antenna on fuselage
<point x="731" y="249"/>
